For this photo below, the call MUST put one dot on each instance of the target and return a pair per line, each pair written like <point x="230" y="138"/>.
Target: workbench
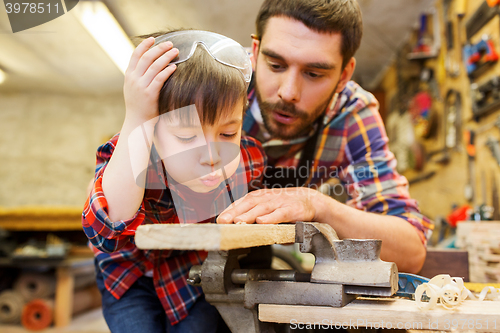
<point x="388" y="313"/>
<point x="242" y="290"/>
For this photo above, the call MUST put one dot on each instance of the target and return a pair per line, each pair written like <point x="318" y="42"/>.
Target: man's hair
<point x="205" y="82"/>
<point x="324" y="16"/>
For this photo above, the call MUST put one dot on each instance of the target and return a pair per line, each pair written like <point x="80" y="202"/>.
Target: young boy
<point x="179" y="157"/>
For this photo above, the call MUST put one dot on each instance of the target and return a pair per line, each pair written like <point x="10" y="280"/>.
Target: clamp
<point x="343" y="270"/>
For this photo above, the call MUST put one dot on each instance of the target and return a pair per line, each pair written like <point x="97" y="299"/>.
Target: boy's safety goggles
<point x="223" y="49"/>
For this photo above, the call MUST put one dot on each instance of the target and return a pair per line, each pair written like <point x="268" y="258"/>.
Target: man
<point x="308" y="114"/>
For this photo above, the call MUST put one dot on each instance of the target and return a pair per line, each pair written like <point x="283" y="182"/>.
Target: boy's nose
<point x="210" y="154"/>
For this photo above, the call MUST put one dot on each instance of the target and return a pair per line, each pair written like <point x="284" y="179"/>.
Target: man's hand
<point x="147" y="71"/>
<point x="272" y="206"/>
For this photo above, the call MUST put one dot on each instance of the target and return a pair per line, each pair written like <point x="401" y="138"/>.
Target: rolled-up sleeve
<point x="371" y="178"/>
<point x="104" y="234"/>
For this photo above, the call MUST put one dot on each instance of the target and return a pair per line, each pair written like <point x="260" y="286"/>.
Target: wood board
<point x="388" y="313"/>
<point x="212" y="237"/>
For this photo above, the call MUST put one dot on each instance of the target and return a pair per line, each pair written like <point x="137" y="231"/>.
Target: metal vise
<point x="342" y="270"/>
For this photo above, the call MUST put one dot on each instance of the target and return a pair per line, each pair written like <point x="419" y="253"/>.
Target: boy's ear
<point x="255" y="52"/>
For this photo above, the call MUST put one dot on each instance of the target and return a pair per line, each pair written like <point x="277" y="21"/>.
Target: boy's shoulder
<point x="106" y="150"/>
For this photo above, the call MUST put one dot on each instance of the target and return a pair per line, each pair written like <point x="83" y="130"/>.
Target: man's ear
<point x="255" y="52"/>
<point x="346" y="74"/>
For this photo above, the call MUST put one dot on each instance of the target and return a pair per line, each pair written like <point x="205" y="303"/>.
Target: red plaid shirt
<point x="122" y="263"/>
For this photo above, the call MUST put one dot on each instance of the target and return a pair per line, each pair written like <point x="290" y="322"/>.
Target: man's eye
<point x="229" y="135"/>
<point x="275" y="66"/>
<point x="313" y="75"/>
<point x="185" y="140"/>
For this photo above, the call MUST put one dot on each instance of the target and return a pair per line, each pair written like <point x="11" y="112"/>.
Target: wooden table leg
<point x="63" y="307"/>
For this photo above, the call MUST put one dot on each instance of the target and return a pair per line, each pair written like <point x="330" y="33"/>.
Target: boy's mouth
<point x="211" y="179"/>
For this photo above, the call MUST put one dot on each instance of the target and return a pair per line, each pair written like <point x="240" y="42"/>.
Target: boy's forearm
<point x="124" y="192"/>
<point x="400" y="241"/>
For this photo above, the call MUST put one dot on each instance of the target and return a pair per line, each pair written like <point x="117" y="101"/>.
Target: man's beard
<point x="302" y="125"/>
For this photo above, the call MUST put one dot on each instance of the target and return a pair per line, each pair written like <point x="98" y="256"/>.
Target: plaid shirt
<point x="122" y="263"/>
<point x="352" y="146"/>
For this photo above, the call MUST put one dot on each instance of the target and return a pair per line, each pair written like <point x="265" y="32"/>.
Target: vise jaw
<point x="342" y="270"/>
<point x="353" y="263"/>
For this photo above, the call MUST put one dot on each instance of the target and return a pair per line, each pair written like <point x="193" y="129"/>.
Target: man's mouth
<point x="283" y="117"/>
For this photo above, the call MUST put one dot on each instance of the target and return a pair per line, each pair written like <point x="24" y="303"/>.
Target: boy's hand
<point x="147" y="71"/>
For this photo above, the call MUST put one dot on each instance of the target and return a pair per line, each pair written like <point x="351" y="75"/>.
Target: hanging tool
<point x="494" y="146"/>
<point x="479" y="18"/>
<point x="495" y="200"/>
<point x="453" y="118"/>
<point x="492" y="3"/>
<point x="470" y="137"/>
<point x="477" y="56"/>
<point x="489" y="126"/>
<point x="424" y="41"/>
<point x="485" y="97"/>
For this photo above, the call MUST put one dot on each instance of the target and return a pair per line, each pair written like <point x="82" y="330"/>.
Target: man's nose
<point x="210" y="154"/>
<point x="289" y="90"/>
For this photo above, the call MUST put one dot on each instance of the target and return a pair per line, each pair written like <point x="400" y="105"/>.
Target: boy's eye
<point x="185" y="140"/>
<point x="229" y="135"/>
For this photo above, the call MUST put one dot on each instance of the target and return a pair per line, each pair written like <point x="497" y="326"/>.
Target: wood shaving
<point x="443" y="289"/>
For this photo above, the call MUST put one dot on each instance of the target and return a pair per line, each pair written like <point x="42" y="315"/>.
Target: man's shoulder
<point x="353" y="100"/>
<point x="356" y="98"/>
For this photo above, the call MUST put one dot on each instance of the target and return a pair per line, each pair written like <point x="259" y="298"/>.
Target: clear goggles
<point x="223" y="49"/>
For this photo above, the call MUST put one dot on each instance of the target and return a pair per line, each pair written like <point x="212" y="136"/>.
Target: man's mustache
<point x="288" y="108"/>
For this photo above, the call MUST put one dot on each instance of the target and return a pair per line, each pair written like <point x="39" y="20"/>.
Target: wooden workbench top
<point x="389" y="313"/>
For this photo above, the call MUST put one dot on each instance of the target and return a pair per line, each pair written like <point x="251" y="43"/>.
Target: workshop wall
<point x="48" y="144"/>
<point x="438" y="169"/>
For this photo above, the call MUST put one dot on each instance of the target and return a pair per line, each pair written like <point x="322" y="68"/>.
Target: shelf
<point x="41" y="218"/>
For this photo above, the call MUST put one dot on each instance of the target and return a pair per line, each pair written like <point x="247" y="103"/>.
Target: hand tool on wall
<point x="453" y="119"/>
<point x="424" y="39"/>
<point x="477" y="56"/>
<point x="494" y="146"/>
<point x="485" y="97"/>
<point x="489" y="126"/>
<point x="479" y="18"/>
<point x="470" y="137"/>
<point x="495" y="200"/>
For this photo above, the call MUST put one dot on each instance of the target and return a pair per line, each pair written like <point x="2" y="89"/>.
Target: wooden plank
<point x="64" y="296"/>
<point x="212" y="237"/>
<point x="388" y="313"/>
<point x="41" y="218"/>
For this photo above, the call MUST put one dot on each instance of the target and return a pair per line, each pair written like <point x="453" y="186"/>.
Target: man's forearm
<point x="400" y="241"/>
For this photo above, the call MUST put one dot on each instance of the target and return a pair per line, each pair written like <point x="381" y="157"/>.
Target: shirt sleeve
<point x="371" y="179"/>
<point x="105" y="235"/>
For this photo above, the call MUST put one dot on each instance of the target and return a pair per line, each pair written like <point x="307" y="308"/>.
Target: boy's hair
<point x="203" y="81"/>
<point x="331" y="16"/>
